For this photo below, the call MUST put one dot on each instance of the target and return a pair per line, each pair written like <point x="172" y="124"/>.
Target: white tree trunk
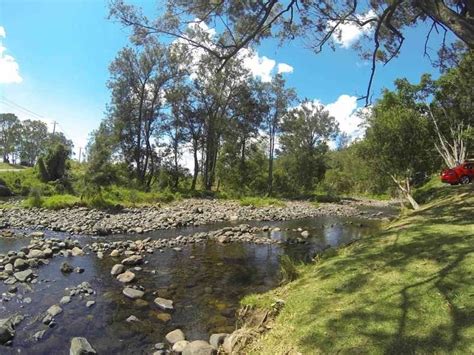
<point x="406" y="190"/>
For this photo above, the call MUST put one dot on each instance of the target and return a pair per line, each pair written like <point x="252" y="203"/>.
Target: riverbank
<point x="190" y="212"/>
<point x="406" y="290"/>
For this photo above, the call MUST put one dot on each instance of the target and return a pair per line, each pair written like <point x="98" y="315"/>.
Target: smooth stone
<point x="126" y="277"/>
<point x="132" y="260"/>
<point x="22" y="276"/>
<point x="179" y="346"/>
<point x="77" y="251"/>
<point x="198" y="347"/>
<point x="305" y="234"/>
<point x="80" y="346"/>
<point x="132" y="293"/>
<point x="132" y="318"/>
<point x="78" y="270"/>
<point x="21" y="264"/>
<point x="163" y="303"/>
<point x="35" y="254"/>
<point x="115" y="253"/>
<point x="54" y="310"/>
<point x="90" y="304"/>
<point x="65" y="300"/>
<point x="39" y="335"/>
<point x="217" y="339"/>
<point x="164" y="317"/>
<point x="175" y="336"/>
<point x="117" y="269"/>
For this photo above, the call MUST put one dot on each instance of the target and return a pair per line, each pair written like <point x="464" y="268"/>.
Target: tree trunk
<point x="196" y="164"/>
<point x="461" y="26"/>
<point x="406" y="191"/>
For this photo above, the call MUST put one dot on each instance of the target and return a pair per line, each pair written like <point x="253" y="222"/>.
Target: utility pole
<point x="54" y="127"/>
<point x="80" y="152"/>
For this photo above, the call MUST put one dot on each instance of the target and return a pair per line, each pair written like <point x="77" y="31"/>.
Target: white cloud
<point x="9" y="68"/>
<point x="348" y="33"/>
<point x="345" y="110"/>
<point x="259" y="66"/>
<point x="284" y="68"/>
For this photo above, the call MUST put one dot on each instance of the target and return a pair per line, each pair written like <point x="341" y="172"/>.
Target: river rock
<point x="305" y="234"/>
<point x="217" y="339"/>
<point x="126" y="277"/>
<point x="132" y="293"/>
<point x="23" y="276"/>
<point x="6" y="331"/>
<point x="66" y="268"/>
<point x="77" y="251"/>
<point x="115" y="253"/>
<point x="80" y="346"/>
<point x="163" y="303"/>
<point x="54" y="310"/>
<point x="175" y="336"/>
<point x="35" y="254"/>
<point x="39" y="335"/>
<point x="90" y="304"/>
<point x="230" y="342"/>
<point x="132" y="318"/>
<point x="117" y="269"/>
<point x="37" y="235"/>
<point x="179" y="346"/>
<point x="198" y="347"/>
<point x="65" y="300"/>
<point x="133" y="260"/>
<point x="21" y="264"/>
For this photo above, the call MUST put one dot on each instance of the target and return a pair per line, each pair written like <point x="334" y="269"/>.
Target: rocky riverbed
<point x="191" y="212"/>
<point x="170" y="291"/>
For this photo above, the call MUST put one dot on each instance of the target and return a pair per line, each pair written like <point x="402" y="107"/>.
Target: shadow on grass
<point x="409" y="290"/>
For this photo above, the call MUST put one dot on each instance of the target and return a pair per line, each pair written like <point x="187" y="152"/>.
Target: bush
<point x="35" y="198"/>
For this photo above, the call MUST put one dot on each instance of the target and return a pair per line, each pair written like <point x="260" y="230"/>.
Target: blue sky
<point x="55" y="56"/>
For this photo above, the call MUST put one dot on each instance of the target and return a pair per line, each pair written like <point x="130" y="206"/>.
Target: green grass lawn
<point x="409" y="289"/>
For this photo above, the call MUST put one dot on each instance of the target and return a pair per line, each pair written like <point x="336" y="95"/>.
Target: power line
<point x="10" y="102"/>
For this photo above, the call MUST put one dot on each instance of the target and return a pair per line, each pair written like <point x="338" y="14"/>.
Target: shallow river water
<point x="205" y="281"/>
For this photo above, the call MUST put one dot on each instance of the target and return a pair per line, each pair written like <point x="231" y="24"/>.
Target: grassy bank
<point x="408" y="290"/>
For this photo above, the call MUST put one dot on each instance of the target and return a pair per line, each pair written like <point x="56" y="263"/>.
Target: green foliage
<point x="35" y="198"/>
<point x="261" y="202"/>
<point x="55" y="162"/>
<point x="57" y="202"/>
<point x="42" y="171"/>
<point x="288" y="269"/>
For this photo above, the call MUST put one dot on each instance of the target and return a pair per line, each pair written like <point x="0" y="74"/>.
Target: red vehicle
<point x="461" y="174"/>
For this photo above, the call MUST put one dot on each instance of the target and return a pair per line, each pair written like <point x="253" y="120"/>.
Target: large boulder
<point x="80" y="346"/>
<point x="23" y="276"/>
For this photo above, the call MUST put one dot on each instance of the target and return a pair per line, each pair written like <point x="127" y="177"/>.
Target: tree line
<point x="23" y="142"/>
<point x="244" y="135"/>
<point x="257" y="138"/>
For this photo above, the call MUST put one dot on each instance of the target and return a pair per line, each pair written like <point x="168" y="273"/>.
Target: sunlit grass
<point x="406" y="290"/>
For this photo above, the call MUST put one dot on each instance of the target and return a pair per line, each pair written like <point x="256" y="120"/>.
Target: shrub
<point x="35" y="198"/>
<point x="57" y="202"/>
<point x="288" y="269"/>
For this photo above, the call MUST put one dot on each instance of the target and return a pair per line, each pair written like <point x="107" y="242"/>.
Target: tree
<point x="100" y="171"/>
<point x="246" y="23"/>
<point x="279" y="99"/>
<point x="33" y="141"/>
<point x="139" y="79"/>
<point x="398" y="142"/>
<point x="9" y="135"/>
<point x="305" y="131"/>
<point x="54" y="165"/>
